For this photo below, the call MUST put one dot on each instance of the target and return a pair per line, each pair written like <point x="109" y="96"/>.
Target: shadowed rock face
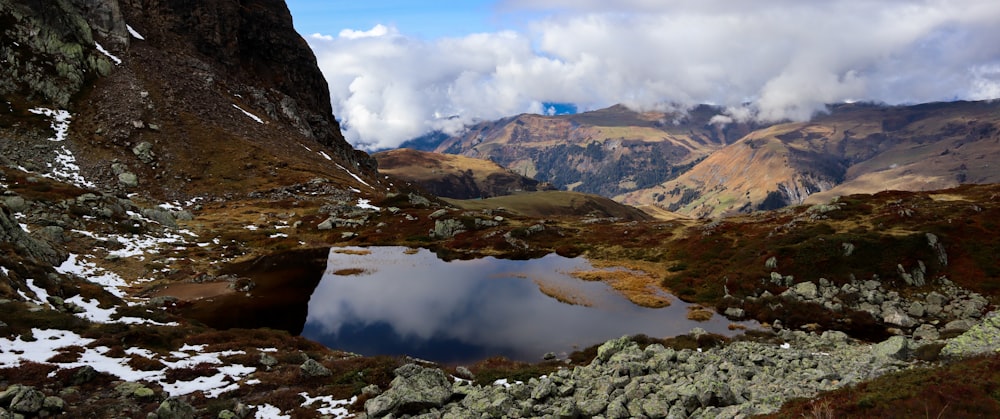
<point x="252" y="41"/>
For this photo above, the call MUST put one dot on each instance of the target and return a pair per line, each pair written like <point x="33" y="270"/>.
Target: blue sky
<point x="398" y="69"/>
<point x="423" y="19"/>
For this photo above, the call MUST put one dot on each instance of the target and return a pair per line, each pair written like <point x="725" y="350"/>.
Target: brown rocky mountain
<point x="856" y="148"/>
<point x="607" y="152"/>
<point x="454" y="176"/>
<point x="191" y="97"/>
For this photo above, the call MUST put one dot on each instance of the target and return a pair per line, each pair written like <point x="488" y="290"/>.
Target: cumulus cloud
<point x="769" y="59"/>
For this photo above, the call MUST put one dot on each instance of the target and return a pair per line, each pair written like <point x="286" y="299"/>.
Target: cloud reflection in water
<point x="461" y="311"/>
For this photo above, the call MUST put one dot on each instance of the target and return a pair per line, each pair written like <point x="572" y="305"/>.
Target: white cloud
<point x="786" y="58"/>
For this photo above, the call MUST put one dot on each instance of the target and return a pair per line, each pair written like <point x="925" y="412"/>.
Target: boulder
<point x="174" y="408"/>
<point x="982" y="338"/>
<point x="414" y="390"/>
<point x="311" y="368"/>
<point x="27" y="400"/>
<point x="896" y="347"/>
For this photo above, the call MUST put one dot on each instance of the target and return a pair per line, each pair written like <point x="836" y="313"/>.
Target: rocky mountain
<point x="181" y="98"/>
<point x="607" y="152"/>
<point x="454" y="176"/>
<point x="856" y="148"/>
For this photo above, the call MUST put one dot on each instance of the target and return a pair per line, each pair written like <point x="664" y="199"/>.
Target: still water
<point x="392" y="301"/>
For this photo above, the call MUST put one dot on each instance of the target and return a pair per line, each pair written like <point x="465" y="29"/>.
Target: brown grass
<point x="349" y="271"/>
<point x="639" y="287"/>
<point x="562" y="293"/>
<point x="699" y="314"/>
<point x="356" y="252"/>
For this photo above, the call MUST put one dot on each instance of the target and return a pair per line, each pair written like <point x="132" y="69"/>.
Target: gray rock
<point x="896" y="347"/>
<point x="165" y="218"/>
<point x="926" y="332"/>
<point x="311" y="368"/>
<point x="448" y="228"/>
<point x="807" y="290"/>
<point x="735" y="312"/>
<point x="981" y="338"/>
<point x="958" y="326"/>
<point x="438" y="214"/>
<point x="144" y="151"/>
<point x="53" y="404"/>
<point x="893" y="315"/>
<point x="128" y="179"/>
<point x="15" y="203"/>
<point x="27" y="400"/>
<point x="916" y="309"/>
<point x="267" y="360"/>
<point x="174" y="408"/>
<point x="611" y="347"/>
<point x="414" y="389"/>
<point x="326" y="224"/>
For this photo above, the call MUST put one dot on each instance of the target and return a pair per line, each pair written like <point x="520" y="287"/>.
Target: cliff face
<point x="186" y="97"/>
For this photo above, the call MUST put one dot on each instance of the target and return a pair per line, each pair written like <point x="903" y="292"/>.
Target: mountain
<point x="453" y="176"/>
<point x="855" y="148"/>
<point x="159" y="89"/>
<point x="607" y="152"/>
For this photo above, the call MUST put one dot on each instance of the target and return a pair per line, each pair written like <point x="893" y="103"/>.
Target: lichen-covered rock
<point x="979" y="339"/>
<point x="311" y="368"/>
<point x="414" y="389"/>
<point x="174" y="408"/>
<point x="896" y="347"/>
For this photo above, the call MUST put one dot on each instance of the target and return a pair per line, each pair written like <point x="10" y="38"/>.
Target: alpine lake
<point x="403" y="301"/>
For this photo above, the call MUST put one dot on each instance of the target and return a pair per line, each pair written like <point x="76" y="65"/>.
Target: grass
<point x="968" y="389"/>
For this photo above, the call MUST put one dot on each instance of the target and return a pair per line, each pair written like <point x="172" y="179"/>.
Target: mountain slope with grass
<point x="454" y="176"/>
<point x="854" y="149"/>
<point x="606" y="152"/>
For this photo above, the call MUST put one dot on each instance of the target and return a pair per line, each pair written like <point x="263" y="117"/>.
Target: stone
<point x="326" y="224"/>
<point x="311" y="368"/>
<point x="165" y="218"/>
<point x="893" y="315"/>
<point x="438" y="214"/>
<point x="807" y="290"/>
<point x="128" y="179"/>
<point x="27" y="400"/>
<point x="916" y="309"/>
<point x="926" y="332"/>
<point x="174" y="408"/>
<point x="53" y="404"/>
<point x="414" y="389"/>
<point x="144" y="150"/>
<point x="735" y="312"/>
<point x="981" y="338"/>
<point x="896" y="347"/>
<point x="445" y="229"/>
<point x="15" y="203"/>
<point x="611" y="347"/>
<point x="958" y="326"/>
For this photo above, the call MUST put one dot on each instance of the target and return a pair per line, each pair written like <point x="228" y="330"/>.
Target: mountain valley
<point x="174" y="182"/>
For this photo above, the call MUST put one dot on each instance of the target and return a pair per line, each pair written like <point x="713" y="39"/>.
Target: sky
<point x="398" y="69"/>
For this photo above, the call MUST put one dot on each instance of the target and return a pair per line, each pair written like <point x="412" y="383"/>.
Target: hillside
<point x="853" y="149"/>
<point x="605" y="152"/>
<point x="453" y="176"/>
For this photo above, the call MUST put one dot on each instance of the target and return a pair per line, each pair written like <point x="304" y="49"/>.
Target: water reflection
<point x="391" y="302"/>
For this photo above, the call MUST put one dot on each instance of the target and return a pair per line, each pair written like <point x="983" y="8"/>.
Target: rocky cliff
<point x="146" y="93"/>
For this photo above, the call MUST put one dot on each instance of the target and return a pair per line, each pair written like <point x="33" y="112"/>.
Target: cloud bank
<point x="768" y="59"/>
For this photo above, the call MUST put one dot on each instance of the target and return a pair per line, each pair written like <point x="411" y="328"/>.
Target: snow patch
<point x="327" y="156"/>
<point x="269" y="412"/>
<point x="366" y="204"/>
<point x="252" y="116"/>
<point x="118" y="61"/>
<point x="134" y="34"/>
<point x="356" y="177"/>
<point x="330" y="406"/>
<point x="60" y="121"/>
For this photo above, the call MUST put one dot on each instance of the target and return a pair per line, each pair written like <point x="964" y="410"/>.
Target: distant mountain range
<point x="685" y="163"/>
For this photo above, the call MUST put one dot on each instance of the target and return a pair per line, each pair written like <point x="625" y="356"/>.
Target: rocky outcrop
<point x="48" y="50"/>
<point x="625" y="380"/>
